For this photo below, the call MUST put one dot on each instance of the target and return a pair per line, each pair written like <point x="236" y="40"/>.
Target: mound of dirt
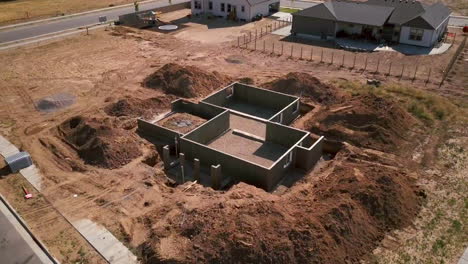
<point x="339" y="218"/>
<point x="135" y="107"/>
<point x="97" y="143"/>
<point x="305" y="85"/>
<point x="367" y="121"/>
<point x="185" y="81"/>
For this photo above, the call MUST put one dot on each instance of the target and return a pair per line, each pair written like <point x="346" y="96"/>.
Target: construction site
<point x="180" y="146"/>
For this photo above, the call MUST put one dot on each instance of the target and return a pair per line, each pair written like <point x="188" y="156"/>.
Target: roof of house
<point x="422" y="15"/>
<point x="377" y="12"/>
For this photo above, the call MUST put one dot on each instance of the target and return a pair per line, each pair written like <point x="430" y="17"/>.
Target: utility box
<point x="19" y="161"/>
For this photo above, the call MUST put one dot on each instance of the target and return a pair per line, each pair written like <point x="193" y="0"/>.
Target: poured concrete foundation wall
<point x="278" y="169"/>
<point x="235" y="168"/>
<point x="288" y="114"/>
<point x="306" y="158"/>
<point x="261" y="97"/>
<point x="211" y="129"/>
<point x="283" y="135"/>
<point x="219" y="98"/>
<point x="163" y="134"/>
<point x="202" y="110"/>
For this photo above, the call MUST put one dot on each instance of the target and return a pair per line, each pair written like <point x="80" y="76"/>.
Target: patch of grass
<point x="289" y="10"/>
<point x="426" y="106"/>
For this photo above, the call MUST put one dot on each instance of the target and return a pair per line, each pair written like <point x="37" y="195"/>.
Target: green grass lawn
<point x="289" y="10"/>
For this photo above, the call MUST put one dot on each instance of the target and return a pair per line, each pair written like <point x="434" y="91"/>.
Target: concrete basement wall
<point x="262" y="97"/>
<point x="159" y="132"/>
<point x="283" y="135"/>
<point x="306" y="158"/>
<point x="219" y="98"/>
<point x="211" y="129"/>
<point x="290" y="113"/>
<point x="235" y="168"/>
<point x="202" y="110"/>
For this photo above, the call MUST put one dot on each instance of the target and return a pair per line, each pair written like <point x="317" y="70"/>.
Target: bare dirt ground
<point x="390" y="174"/>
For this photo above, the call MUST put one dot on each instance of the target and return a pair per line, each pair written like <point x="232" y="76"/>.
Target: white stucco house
<point x="243" y="10"/>
<point x="394" y="21"/>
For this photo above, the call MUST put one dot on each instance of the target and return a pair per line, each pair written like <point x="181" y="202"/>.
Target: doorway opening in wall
<point x="210" y="5"/>
<point x="288" y="159"/>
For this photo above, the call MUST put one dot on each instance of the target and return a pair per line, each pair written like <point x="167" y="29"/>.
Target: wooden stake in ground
<point x="342" y="61"/>
<point x="292" y="47"/>
<point x="365" y="64"/>
<point x="428" y="75"/>
<point x="378" y="64"/>
<point x="238" y="41"/>
<point x="255" y="43"/>
<point x="354" y="61"/>
<point x="390" y="69"/>
<point x="402" y="70"/>
<point x="273" y="48"/>
<point x="263" y="45"/>
<point x="333" y="54"/>
<point x="282" y="48"/>
<point x="311" y="54"/>
<point x="301" y="52"/>
<point x="415" y="71"/>
<point x="245" y="41"/>
<point x="321" y="57"/>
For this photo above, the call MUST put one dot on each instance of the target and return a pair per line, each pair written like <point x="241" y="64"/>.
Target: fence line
<point x="371" y="65"/>
<point x="453" y="60"/>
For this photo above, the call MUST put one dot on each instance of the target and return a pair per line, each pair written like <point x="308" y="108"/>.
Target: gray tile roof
<point x="378" y="12"/>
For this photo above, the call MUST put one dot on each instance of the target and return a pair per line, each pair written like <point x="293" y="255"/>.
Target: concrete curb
<point x="26" y="228"/>
<point x="72" y="15"/>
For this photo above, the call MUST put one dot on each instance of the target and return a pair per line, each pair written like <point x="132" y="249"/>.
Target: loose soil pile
<point x="305" y="85"/>
<point x="366" y="120"/>
<point x="135" y="107"/>
<point x="98" y="144"/>
<point x="337" y="219"/>
<point x="185" y="81"/>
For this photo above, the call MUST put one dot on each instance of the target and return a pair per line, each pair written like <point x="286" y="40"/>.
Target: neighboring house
<point x="408" y="22"/>
<point x="243" y="10"/>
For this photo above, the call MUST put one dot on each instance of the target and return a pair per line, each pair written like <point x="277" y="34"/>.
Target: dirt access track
<point x="373" y="190"/>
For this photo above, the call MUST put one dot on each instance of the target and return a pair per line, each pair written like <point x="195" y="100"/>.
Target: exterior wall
<point x="426" y="39"/>
<point x="210" y="129"/>
<point x="283" y="135"/>
<point x="217" y="8"/>
<point x="202" y="110"/>
<point x="289" y="114"/>
<point x="306" y="158"/>
<point x="349" y="28"/>
<point x="439" y="32"/>
<point x="262" y="8"/>
<point x="161" y="133"/>
<point x="279" y="168"/>
<point x="312" y="26"/>
<point x="262" y="97"/>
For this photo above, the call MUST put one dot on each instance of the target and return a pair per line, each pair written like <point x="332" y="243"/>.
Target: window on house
<point x="229" y="8"/>
<point x="197" y="4"/>
<point x="416" y="34"/>
<point x="210" y="5"/>
<point x="222" y="7"/>
<point x="242" y="8"/>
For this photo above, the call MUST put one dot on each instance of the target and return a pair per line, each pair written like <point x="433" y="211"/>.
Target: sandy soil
<point x="337" y="213"/>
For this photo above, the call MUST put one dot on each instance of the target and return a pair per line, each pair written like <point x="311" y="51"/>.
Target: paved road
<point x="16" y="245"/>
<point x="34" y="30"/>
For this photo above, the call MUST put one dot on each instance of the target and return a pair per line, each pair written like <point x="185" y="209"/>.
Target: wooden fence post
<point x="378" y="64"/>
<point x="273" y="48"/>
<point x="365" y="63"/>
<point x="245" y="41"/>
<point x="402" y="70"/>
<point x="354" y="61"/>
<point x="301" y="52"/>
<point x="255" y="44"/>
<point x="238" y="41"/>
<point x="342" y="61"/>
<point x="333" y="54"/>
<point x="282" y="44"/>
<point x="255" y="34"/>
<point x="292" y="47"/>
<point x="311" y="54"/>
<point x="263" y="45"/>
<point x="428" y="75"/>
<point x="321" y="57"/>
<point x="250" y="36"/>
<point x="261" y="32"/>
<point x="415" y="71"/>
<point x="390" y="69"/>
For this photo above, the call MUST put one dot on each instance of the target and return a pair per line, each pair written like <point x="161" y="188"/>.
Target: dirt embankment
<point x="97" y="143"/>
<point x="185" y="81"/>
<point x="305" y="85"/>
<point x="135" y="107"/>
<point x="366" y="121"/>
<point x="338" y="219"/>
